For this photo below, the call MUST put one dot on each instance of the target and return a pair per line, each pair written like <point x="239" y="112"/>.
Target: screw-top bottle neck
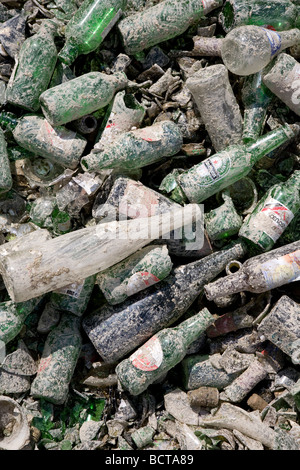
<point x="191" y="328"/>
<point x="8" y="120"/>
<point x="232" y="284"/>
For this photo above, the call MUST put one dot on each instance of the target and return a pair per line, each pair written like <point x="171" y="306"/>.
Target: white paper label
<point x="72" y="290"/>
<point x="283" y="270"/>
<point x="139" y="281"/>
<point x="273" y="219"/>
<point x="149" y="357"/>
<point x="60" y="137"/>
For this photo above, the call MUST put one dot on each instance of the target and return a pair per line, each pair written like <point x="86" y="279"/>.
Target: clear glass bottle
<point x="248" y="49"/>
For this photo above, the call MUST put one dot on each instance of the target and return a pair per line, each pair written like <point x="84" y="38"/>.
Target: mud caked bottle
<point x="58" y="361"/>
<point x="262" y="228"/>
<point x="160" y="353"/>
<point x="34" y="68"/>
<point x="89" y="26"/>
<point x="13" y="316"/>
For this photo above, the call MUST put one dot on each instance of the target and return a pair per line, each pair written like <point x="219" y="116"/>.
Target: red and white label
<point x="139" y="281"/>
<point x="273" y="218"/>
<point x="149" y="357"/>
<point x="44" y="363"/>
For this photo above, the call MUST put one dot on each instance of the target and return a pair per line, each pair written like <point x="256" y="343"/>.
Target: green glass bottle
<point x="5" y="173"/>
<point x="13" y="316"/>
<point x="224" y="168"/>
<point x="45" y="214"/>
<point x="137" y="148"/>
<point x="160" y="353"/>
<point x="33" y="69"/>
<point x="35" y="134"/>
<point x="224" y="221"/>
<point x="89" y="26"/>
<point x="256" y="97"/>
<point x="275" y="14"/>
<point x="162" y="22"/>
<point x="81" y="96"/>
<point x="58" y="361"/>
<point x="262" y="228"/>
<point x="75" y="297"/>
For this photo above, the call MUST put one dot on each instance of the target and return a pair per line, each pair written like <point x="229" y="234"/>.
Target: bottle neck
<point x="289" y="38"/>
<point x="191" y="329"/>
<point x="269" y="142"/>
<point x="8" y="121"/>
<point x="294" y="181"/>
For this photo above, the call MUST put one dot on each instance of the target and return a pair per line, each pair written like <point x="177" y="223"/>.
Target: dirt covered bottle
<point x="34" y="68"/>
<point x="248" y="49"/>
<point x="13" y="316"/>
<point x="278" y="15"/>
<point x="89" y="26"/>
<point x="5" y="173"/>
<point x="75" y="297"/>
<point x="58" y="361"/>
<point x="223" y="168"/>
<point x="271" y="216"/>
<point x="35" y="134"/>
<point x="161" y="353"/>
<point x="260" y="273"/>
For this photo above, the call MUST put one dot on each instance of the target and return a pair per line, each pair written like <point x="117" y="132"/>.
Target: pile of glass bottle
<point x="90" y="145"/>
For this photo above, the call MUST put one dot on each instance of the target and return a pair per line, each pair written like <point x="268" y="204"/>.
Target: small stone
<point x="48" y="320"/>
<point x="116" y="427"/>
<point x="89" y="430"/>
<point x="156" y="56"/>
<point x="125" y="410"/>
<point x="143" y="436"/>
<point x="256" y="402"/>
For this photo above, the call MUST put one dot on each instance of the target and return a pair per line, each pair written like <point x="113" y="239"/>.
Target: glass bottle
<point x="278" y="15"/>
<point x="162" y="22"/>
<point x="35" y="134"/>
<point x="271" y="216"/>
<point x="260" y="273"/>
<point x="224" y="168"/>
<point x="256" y="98"/>
<point x="160" y="353"/>
<point x="75" y="297"/>
<point x="80" y="96"/>
<point x="117" y="330"/>
<point x="34" y="68"/>
<point x="248" y="49"/>
<point x="89" y="26"/>
<point x="5" y="173"/>
<point x="58" y="361"/>
<point x="13" y="316"/>
<point x="137" y="148"/>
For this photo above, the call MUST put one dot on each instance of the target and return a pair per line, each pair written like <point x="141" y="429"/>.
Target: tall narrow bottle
<point x="58" y="361"/>
<point x="224" y="168"/>
<point x="271" y="216"/>
<point x="13" y="316"/>
<point x="248" y="49"/>
<point x="260" y="273"/>
<point x="162" y="22"/>
<point x="35" y="134"/>
<point x="33" y="69"/>
<point x="116" y="331"/>
<point x="89" y="26"/>
<point x="80" y="96"/>
<point x="256" y="97"/>
<point x="278" y="15"/>
<point x="160" y="353"/>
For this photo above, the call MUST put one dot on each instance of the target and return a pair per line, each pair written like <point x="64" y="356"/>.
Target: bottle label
<point x="283" y="270"/>
<point x="213" y="169"/>
<point x="139" y="281"/>
<point x="58" y="137"/>
<point x="274" y="40"/>
<point x="273" y="219"/>
<point x="149" y="134"/>
<point x="72" y="290"/>
<point x="149" y="357"/>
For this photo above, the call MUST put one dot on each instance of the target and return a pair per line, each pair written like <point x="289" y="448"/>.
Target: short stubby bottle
<point x="33" y="69"/>
<point x="89" y="26"/>
<point x="248" y="49"/>
<point x="271" y="216"/>
<point x="81" y="96"/>
<point x="278" y="15"/>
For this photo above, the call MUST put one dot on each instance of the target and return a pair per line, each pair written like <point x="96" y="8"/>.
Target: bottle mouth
<point x="68" y="54"/>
